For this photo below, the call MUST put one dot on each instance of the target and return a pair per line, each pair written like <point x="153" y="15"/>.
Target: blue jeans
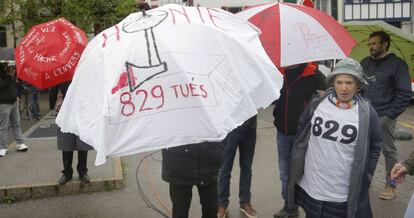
<point x="245" y="140"/>
<point x="284" y="146"/>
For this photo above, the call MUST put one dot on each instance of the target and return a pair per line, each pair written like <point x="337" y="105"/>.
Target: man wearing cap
<point x="389" y="91"/>
<point x="336" y="149"/>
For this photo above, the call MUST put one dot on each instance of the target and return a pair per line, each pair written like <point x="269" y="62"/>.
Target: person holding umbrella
<point x="300" y="83"/>
<point x="67" y="143"/>
<point x="389" y="90"/>
<point x="193" y="165"/>
<point x="9" y="108"/>
<point x="336" y="149"/>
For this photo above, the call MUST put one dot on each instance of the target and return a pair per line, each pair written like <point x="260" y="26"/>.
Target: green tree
<point x="9" y="16"/>
<point x="93" y="16"/>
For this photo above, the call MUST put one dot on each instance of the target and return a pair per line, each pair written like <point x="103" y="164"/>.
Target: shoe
<point x="64" y="179"/>
<point x="84" y="178"/>
<point x="3" y="152"/>
<point x="283" y="213"/>
<point x="388" y="193"/>
<point x="222" y="212"/>
<point x="21" y="147"/>
<point x="248" y="210"/>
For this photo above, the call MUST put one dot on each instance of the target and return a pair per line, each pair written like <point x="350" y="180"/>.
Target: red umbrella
<point x="293" y="34"/>
<point x="49" y="53"/>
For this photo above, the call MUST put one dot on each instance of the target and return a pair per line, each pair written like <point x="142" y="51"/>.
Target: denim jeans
<point x="243" y="138"/>
<point x="284" y="146"/>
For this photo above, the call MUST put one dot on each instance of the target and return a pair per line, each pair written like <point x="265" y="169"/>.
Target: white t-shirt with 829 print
<point x="330" y="152"/>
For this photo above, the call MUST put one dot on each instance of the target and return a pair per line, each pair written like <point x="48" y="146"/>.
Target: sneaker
<point x="3" y="152"/>
<point x="388" y="193"/>
<point x="283" y="213"/>
<point x="222" y="212"/>
<point x="21" y="147"/>
<point x="248" y="210"/>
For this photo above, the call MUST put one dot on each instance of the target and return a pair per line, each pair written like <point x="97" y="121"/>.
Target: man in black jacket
<point x="389" y="90"/>
<point x="9" y="109"/>
<point x="300" y="83"/>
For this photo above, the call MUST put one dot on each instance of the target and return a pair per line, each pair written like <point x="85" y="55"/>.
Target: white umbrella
<point x="175" y="75"/>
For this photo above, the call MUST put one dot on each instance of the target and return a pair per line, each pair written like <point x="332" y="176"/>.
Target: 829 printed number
<point x="348" y="132"/>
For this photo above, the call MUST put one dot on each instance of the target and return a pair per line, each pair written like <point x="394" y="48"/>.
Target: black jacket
<point x="389" y="84"/>
<point x="299" y="85"/>
<point x="8" y="89"/>
<point x="195" y="164"/>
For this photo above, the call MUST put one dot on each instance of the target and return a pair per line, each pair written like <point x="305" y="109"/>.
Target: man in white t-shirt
<point x="336" y="149"/>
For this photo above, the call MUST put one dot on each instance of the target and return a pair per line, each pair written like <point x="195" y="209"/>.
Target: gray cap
<point x="347" y="66"/>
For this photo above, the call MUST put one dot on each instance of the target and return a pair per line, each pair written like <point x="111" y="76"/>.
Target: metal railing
<point x="391" y="11"/>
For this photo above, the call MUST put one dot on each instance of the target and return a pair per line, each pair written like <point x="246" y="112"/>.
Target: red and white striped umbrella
<point x="293" y="34"/>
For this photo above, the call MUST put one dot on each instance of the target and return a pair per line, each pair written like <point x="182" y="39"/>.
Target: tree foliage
<point x="92" y="16"/>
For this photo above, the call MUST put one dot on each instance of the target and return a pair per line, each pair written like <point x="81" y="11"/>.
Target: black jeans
<point x="67" y="162"/>
<point x="181" y="199"/>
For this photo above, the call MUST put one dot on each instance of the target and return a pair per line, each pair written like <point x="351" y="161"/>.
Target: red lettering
<point x="117" y="32"/>
<point x="192" y="88"/>
<point x="204" y="92"/>
<point x="159" y="95"/>
<point x="142" y="108"/>
<point x="182" y="13"/>
<point x="126" y="102"/>
<point x="182" y="92"/>
<point x="175" y="90"/>
<point x="105" y="38"/>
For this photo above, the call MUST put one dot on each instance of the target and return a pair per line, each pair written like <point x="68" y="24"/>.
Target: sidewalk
<point x="34" y="174"/>
<point x="144" y="191"/>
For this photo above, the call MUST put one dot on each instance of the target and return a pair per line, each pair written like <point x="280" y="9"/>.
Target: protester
<point x="300" y="83"/>
<point x="336" y="149"/>
<point x="389" y="90"/>
<point x="33" y="95"/>
<point x="189" y="165"/>
<point x="398" y="173"/>
<point x="244" y="138"/>
<point x="9" y="108"/>
<point x="67" y="143"/>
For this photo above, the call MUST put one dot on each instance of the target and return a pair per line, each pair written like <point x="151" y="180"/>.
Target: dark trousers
<point x="67" y="162"/>
<point x="319" y="209"/>
<point x="181" y="200"/>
